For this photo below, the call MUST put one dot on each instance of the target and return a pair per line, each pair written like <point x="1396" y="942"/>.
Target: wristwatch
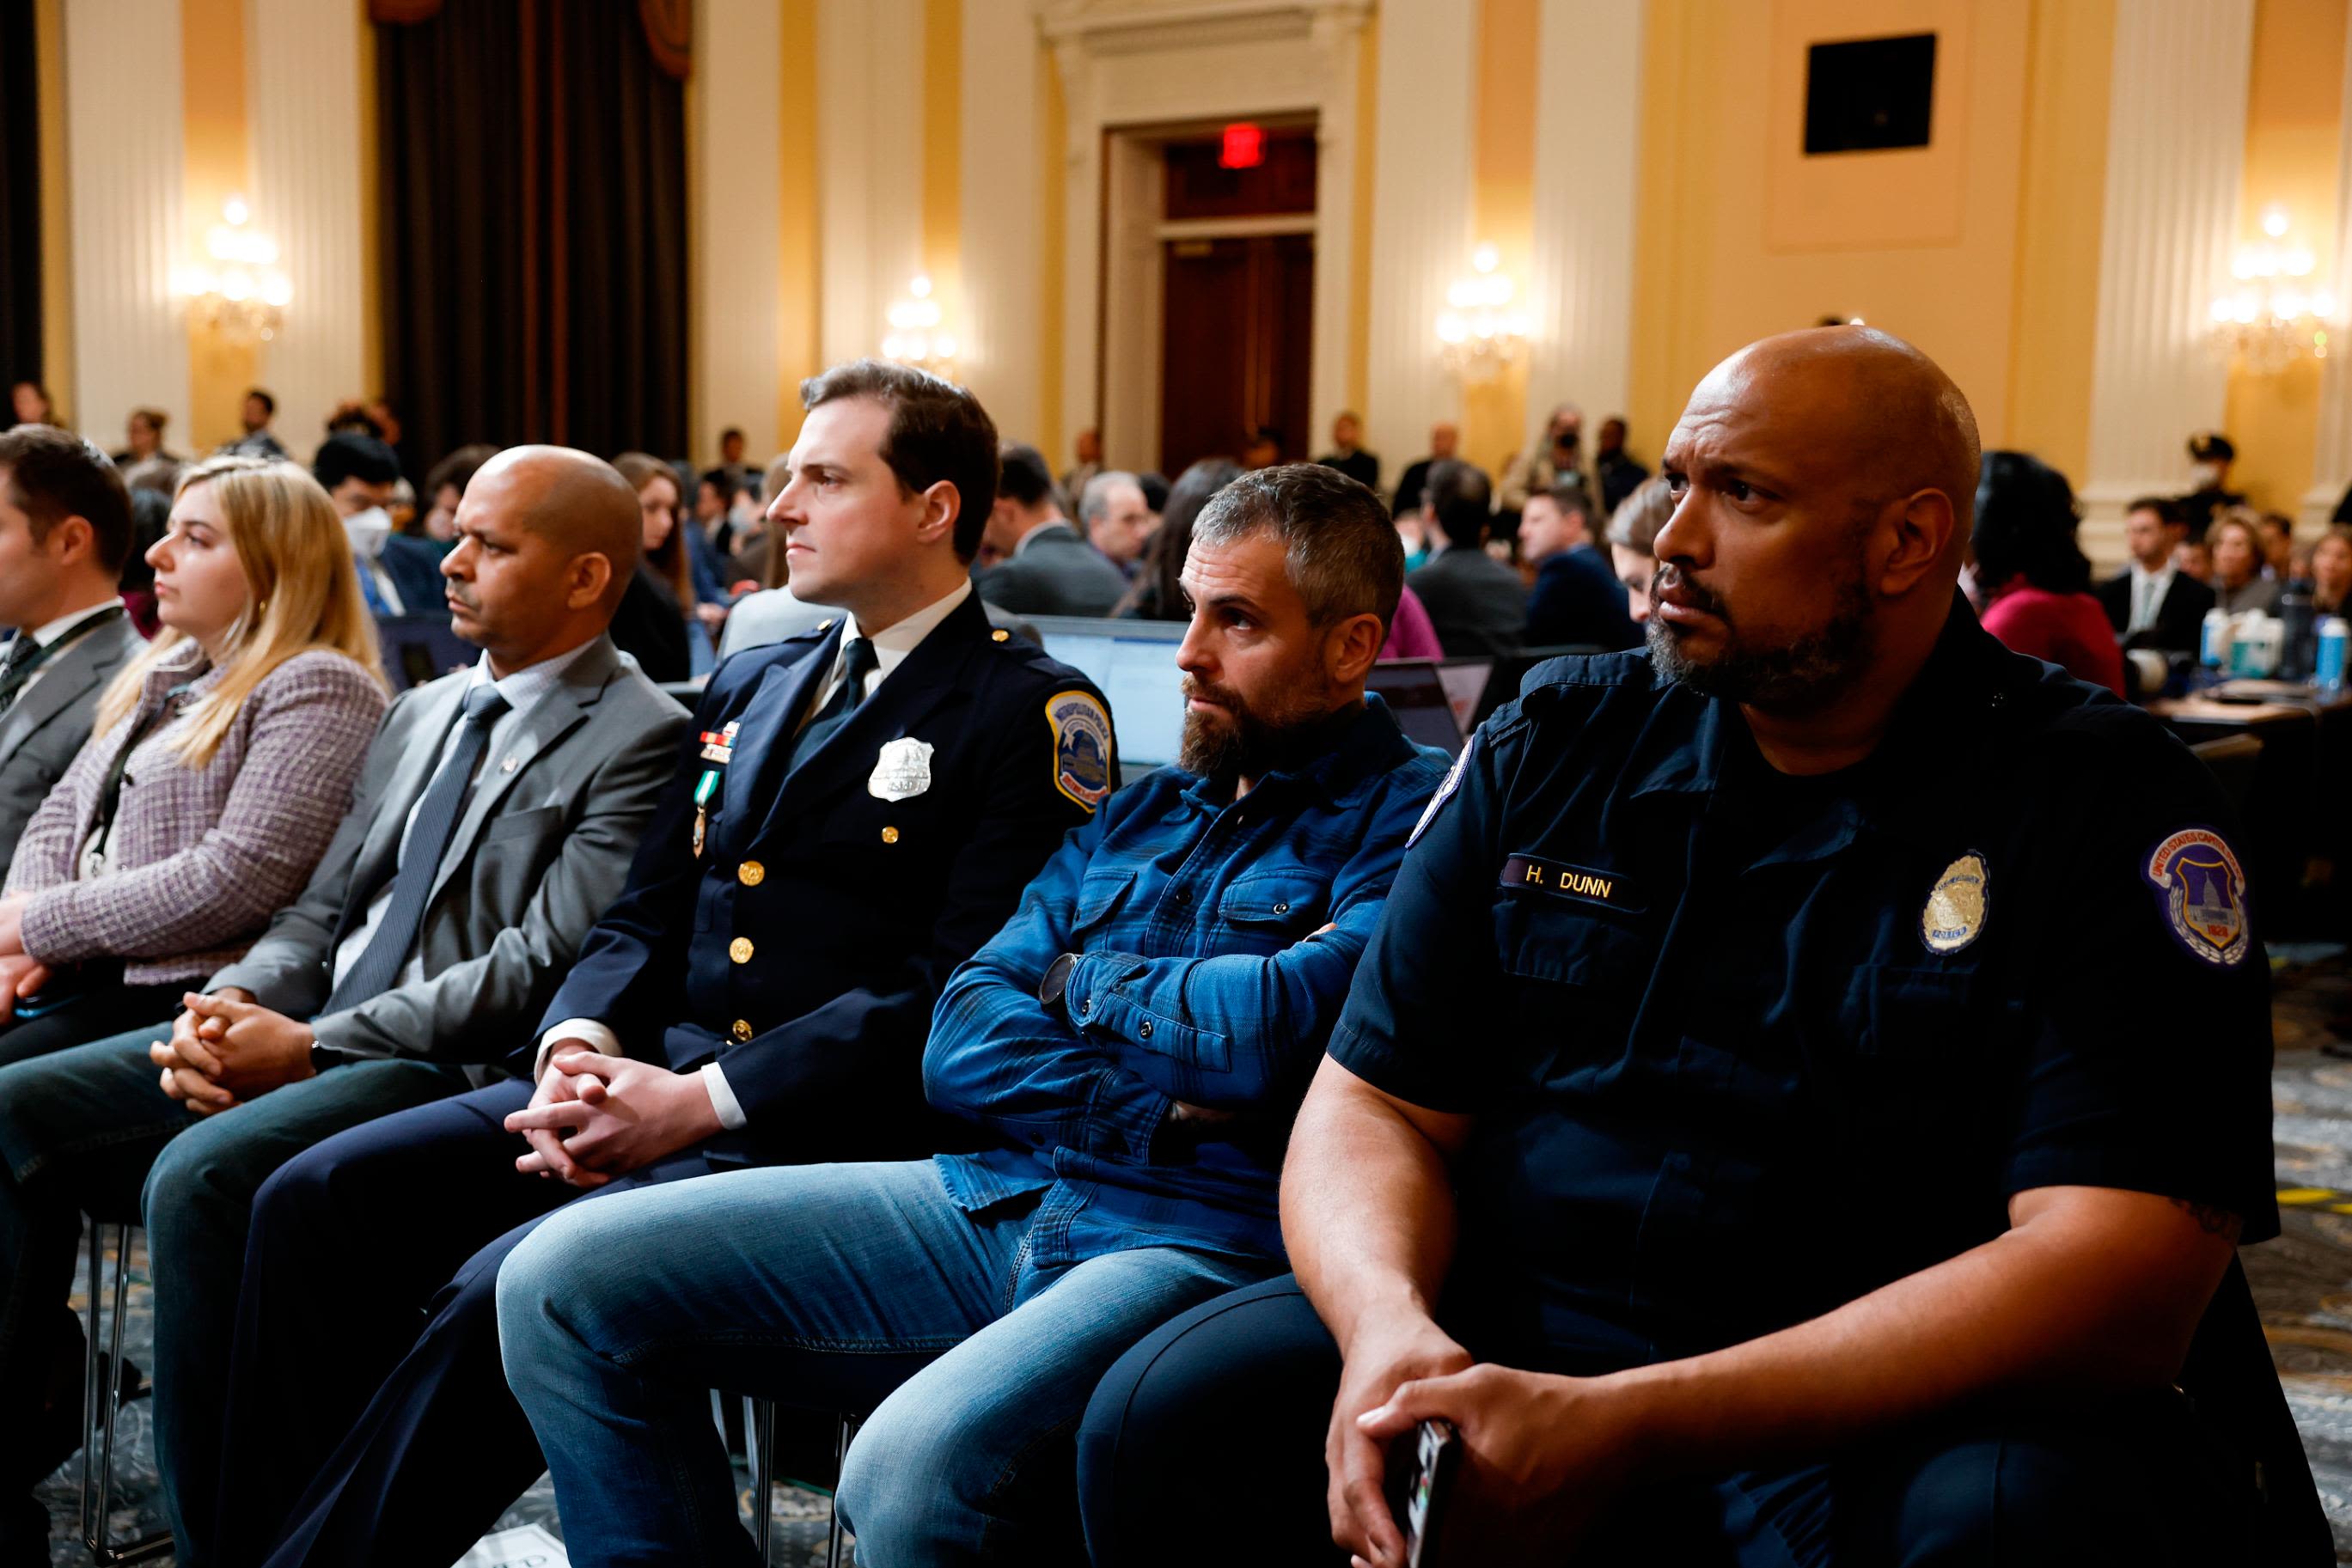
<point x="1056" y="981"/>
<point x="322" y="1057"/>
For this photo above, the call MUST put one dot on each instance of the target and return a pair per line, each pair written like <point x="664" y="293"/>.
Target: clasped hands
<point x="595" y="1117"/>
<point x="1541" y="1455"/>
<point x="21" y="974"/>
<point x="226" y="1048"/>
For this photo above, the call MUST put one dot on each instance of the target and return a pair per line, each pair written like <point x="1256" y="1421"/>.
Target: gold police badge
<point x="1955" y="916"/>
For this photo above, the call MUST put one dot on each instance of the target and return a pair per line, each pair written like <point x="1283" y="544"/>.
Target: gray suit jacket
<point x="41" y="731"/>
<point x="543" y="846"/>
<point x="1055" y="572"/>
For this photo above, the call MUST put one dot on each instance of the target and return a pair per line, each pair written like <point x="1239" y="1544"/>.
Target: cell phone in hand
<point x="1421" y="1476"/>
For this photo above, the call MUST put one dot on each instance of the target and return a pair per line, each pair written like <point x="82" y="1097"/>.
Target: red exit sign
<point x="1243" y="147"/>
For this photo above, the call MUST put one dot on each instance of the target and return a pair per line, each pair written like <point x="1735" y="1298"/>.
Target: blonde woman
<point x="221" y="761"/>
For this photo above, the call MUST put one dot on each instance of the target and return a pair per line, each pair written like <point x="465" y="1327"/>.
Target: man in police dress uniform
<point x="857" y="812"/>
<point x="1849" y="1044"/>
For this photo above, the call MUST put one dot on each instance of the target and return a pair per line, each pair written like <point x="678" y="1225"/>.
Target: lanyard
<point x="109" y="794"/>
<point x="13" y="681"/>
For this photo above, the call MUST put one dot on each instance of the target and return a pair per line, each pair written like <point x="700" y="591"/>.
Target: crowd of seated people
<point x="501" y="1066"/>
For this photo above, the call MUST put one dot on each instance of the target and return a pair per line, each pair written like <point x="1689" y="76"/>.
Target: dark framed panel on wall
<point x="533" y="223"/>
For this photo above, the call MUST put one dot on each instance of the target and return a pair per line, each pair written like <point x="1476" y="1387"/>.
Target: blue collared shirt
<point x="1204" y="975"/>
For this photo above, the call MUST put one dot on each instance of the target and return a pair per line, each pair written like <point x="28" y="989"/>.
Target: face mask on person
<point x="368" y="530"/>
<point x="2205" y="476"/>
<point x="1417" y="557"/>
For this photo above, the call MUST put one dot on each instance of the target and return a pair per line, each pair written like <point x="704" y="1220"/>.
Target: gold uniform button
<point x="739" y="949"/>
<point x="889" y="835"/>
<point x="742" y="1030"/>
<point x="999" y="637"/>
<point x="751" y="874"/>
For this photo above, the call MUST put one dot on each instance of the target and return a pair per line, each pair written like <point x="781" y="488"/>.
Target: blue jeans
<point x="824" y="1286"/>
<point x="90" y="1127"/>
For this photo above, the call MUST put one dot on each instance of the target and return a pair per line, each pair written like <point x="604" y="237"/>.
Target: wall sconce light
<point x="237" y="291"/>
<point x="1479" y="332"/>
<point x="2272" y="316"/>
<point x="914" y="338"/>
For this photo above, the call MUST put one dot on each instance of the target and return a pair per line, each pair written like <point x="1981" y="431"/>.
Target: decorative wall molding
<point x="1587" y="210"/>
<point x="1125" y="65"/>
<point x="869" y="148"/>
<point x="124" y="158"/>
<point x="1002" y="310"/>
<point x="2176" y="151"/>
<point x="2331" y="468"/>
<point x="735" y="306"/>
<point x="1421" y="219"/>
<point x="304" y="89"/>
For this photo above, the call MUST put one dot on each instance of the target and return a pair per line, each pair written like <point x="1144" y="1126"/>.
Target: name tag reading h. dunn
<point x="1606" y="888"/>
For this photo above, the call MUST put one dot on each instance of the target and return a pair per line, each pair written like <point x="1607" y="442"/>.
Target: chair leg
<point x="105" y="1552"/>
<point x="93" y="1520"/>
<point x="763" y="1416"/>
<point x="847" y="1431"/>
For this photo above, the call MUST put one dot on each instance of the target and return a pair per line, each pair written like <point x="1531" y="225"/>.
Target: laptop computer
<point x="1415" y="691"/>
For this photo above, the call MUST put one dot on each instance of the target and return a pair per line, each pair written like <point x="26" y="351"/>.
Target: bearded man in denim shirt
<point x="1131" y="1048"/>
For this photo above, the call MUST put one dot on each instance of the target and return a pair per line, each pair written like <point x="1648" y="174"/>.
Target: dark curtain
<point x="20" y="198"/>
<point x="533" y="179"/>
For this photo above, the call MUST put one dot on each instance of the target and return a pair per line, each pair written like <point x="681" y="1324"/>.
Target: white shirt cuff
<point x="723" y="1098"/>
<point x="587" y="1030"/>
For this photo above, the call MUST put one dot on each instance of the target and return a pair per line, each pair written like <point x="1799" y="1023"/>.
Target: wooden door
<point x="1237" y="344"/>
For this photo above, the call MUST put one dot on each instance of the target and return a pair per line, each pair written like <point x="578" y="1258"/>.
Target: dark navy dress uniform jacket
<point x="805" y="949"/>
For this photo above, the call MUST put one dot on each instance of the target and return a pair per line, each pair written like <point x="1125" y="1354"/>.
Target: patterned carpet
<point x="2303" y="1282"/>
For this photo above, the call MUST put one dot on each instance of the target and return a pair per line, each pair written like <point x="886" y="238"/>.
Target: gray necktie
<point x="379" y="964"/>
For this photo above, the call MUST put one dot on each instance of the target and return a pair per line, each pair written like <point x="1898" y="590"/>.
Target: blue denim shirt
<point x="1203" y="976"/>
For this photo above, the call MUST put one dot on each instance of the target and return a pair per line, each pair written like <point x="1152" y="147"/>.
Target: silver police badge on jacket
<point x="903" y="771"/>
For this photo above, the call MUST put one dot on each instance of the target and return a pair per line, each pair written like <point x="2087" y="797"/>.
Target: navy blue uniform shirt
<point x="1204" y="976"/>
<point x="1744" y="1047"/>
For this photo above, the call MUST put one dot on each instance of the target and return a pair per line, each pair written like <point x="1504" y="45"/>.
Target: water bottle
<point x="2213" y="648"/>
<point x="2327" y="667"/>
<point x="2249" y="646"/>
<point x="2296" y="616"/>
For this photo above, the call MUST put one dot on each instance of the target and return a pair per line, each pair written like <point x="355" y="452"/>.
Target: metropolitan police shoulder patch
<point x="2203" y="890"/>
<point x="1081" y="747"/>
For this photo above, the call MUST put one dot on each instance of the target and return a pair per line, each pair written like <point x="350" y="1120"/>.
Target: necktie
<point x="369" y="587"/>
<point x="428" y="837"/>
<point x="858" y="661"/>
<point x="22" y="651"/>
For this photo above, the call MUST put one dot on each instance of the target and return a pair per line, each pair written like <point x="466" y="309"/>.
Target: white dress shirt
<point x="523" y="689"/>
<point x="2148" y="591"/>
<point x="891" y="646"/>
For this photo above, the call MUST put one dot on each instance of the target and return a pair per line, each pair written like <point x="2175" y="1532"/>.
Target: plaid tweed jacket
<point x="200" y="858"/>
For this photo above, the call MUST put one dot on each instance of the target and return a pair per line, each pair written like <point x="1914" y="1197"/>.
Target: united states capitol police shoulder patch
<point x="2201" y="890"/>
<point x="1082" y="745"/>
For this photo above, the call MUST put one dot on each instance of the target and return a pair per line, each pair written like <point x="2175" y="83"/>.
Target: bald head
<point x="547" y="540"/>
<point x="1823" y="483"/>
<point x="1862" y="403"/>
<point x="573" y="500"/>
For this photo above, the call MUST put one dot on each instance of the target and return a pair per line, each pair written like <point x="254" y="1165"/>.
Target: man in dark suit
<point x="1347" y="453"/>
<point x="1044" y="567"/>
<point x="2154" y="604"/>
<point x="494" y="820"/>
<point x="1577" y="599"/>
<point x="859" y="811"/>
<point x="64" y="535"/>
<point x="1445" y="441"/>
<point x="399" y="574"/>
<point x="1476" y="604"/>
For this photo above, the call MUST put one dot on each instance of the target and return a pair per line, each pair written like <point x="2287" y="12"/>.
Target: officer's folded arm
<point x="2090" y="1290"/>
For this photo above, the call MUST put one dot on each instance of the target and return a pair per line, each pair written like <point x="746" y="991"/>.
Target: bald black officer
<point x="1803" y="1099"/>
